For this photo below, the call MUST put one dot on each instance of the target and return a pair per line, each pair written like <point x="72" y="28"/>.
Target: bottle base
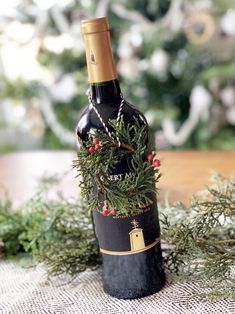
<point x="133" y="294"/>
<point x="133" y="276"/>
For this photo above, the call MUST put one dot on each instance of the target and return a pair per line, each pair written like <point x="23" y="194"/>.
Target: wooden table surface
<point x="184" y="172"/>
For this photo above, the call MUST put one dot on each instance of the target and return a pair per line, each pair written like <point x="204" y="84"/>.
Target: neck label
<point x="100" y="63"/>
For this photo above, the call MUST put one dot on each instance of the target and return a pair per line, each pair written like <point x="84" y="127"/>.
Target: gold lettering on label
<point x="115" y="177"/>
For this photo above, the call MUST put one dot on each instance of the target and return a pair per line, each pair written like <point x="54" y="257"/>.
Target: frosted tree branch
<point x="60" y="19"/>
<point x="173" y="15"/>
<point x="102" y="8"/>
<point x="200" y="102"/>
<point x="131" y="15"/>
<point x="64" y="135"/>
<point x="178" y="138"/>
<point x="41" y="23"/>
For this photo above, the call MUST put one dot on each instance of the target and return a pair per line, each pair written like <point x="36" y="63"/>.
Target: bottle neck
<point x="102" y="74"/>
<point x="105" y="92"/>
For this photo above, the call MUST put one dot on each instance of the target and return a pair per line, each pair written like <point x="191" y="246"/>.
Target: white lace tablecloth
<point x="29" y="291"/>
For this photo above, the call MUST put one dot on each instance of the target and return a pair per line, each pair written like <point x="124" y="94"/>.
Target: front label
<point x="123" y="235"/>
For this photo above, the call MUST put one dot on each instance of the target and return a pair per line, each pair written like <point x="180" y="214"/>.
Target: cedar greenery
<point x="202" y="238"/>
<point x="198" y="241"/>
<point x="58" y="233"/>
<point x="128" y="195"/>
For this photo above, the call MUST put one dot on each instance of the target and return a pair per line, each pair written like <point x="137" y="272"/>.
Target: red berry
<point x="105" y="212"/>
<point x="91" y="150"/>
<point x="97" y="146"/>
<point x="156" y="163"/>
<point x="150" y="157"/>
<point x="96" y="141"/>
<point x="114" y="212"/>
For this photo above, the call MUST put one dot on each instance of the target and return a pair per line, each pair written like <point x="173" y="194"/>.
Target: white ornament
<point x="227" y="96"/>
<point x="65" y="89"/>
<point x="230" y="115"/>
<point x="125" y="50"/>
<point x="9" y="7"/>
<point x="57" y="44"/>
<point x="227" y="23"/>
<point x="129" y="68"/>
<point x="159" y="61"/>
<point x="19" y="32"/>
<point x="200" y="101"/>
<point x="136" y="37"/>
<point x="129" y="64"/>
<point x="130" y="42"/>
<point x="20" y="61"/>
<point x="13" y="112"/>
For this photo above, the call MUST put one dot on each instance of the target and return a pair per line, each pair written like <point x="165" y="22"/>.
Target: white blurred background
<point x="175" y="61"/>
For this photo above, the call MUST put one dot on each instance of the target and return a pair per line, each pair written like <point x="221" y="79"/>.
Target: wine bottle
<point x="129" y="245"/>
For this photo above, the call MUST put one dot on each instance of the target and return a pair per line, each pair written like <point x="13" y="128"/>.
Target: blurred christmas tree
<point x="175" y="60"/>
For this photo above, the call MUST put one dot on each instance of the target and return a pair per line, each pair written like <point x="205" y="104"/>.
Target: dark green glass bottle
<point x="130" y="246"/>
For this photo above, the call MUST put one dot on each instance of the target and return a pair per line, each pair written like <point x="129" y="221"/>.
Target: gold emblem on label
<point x="137" y="242"/>
<point x="136" y="237"/>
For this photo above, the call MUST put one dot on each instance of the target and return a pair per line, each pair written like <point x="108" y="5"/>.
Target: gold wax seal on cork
<point x="99" y="56"/>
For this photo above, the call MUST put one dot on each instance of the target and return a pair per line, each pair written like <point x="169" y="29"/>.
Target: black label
<point x="122" y="235"/>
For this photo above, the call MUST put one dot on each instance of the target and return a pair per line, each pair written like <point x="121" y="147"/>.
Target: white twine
<point x="101" y="119"/>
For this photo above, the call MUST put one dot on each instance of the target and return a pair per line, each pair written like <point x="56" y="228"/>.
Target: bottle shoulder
<point x="90" y="122"/>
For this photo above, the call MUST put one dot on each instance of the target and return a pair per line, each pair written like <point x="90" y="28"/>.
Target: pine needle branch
<point x="202" y="240"/>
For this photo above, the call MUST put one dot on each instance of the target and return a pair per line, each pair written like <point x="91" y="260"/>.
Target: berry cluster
<point x="106" y="212"/>
<point x="95" y="147"/>
<point x="156" y="162"/>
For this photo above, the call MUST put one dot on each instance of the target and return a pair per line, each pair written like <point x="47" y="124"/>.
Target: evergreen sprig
<point x="197" y="241"/>
<point x="127" y="145"/>
<point x="202" y="238"/>
<point x="58" y="233"/>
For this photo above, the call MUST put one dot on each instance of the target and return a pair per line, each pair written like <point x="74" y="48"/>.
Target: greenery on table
<point x="202" y="237"/>
<point x="59" y="233"/>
